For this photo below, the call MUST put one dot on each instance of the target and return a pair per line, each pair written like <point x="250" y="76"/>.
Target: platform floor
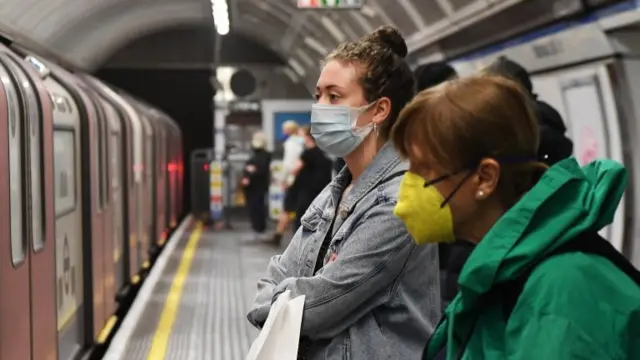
<point x="197" y="307"/>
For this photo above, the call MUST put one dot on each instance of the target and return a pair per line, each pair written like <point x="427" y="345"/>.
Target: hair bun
<point x="391" y="37"/>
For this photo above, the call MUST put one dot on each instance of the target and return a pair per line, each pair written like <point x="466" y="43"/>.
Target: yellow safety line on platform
<point x="106" y="330"/>
<point x="170" y="311"/>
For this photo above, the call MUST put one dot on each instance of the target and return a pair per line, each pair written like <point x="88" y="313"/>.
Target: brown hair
<point x="461" y="121"/>
<point x="385" y="74"/>
<point x="306" y="130"/>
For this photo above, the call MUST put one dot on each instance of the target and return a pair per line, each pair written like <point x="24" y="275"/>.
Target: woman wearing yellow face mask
<point x="541" y="283"/>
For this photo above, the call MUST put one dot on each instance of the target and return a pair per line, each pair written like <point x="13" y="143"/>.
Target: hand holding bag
<point x="279" y="338"/>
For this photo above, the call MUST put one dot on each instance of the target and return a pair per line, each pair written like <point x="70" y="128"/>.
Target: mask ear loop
<point x="455" y="190"/>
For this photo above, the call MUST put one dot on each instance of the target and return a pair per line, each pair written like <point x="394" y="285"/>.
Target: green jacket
<point x="574" y="305"/>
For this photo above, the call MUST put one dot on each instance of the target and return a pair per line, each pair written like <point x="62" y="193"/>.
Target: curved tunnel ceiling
<point x="86" y="33"/>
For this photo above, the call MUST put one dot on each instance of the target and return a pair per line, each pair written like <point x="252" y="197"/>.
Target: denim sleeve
<point x="276" y="273"/>
<point x="371" y="259"/>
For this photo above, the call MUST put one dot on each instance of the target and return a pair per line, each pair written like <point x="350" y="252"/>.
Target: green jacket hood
<point x="566" y="201"/>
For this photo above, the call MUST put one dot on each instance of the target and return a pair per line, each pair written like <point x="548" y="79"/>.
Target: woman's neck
<point x="485" y="219"/>
<point x="362" y="156"/>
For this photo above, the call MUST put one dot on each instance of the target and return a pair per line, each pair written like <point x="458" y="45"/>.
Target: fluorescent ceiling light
<point x="305" y="57"/>
<point x="220" y="11"/>
<point x="291" y="75"/>
<point x="333" y="29"/>
<point x="367" y="10"/>
<point x="295" y="65"/>
<point x="315" y="45"/>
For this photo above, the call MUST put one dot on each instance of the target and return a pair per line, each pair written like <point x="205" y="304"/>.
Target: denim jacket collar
<point x="381" y="165"/>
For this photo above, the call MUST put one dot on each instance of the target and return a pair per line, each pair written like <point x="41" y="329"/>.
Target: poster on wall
<point x="586" y="119"/>
<point x="276" y="193"/>
<point x="216" y="189"/>
<point x="302" y="118"/>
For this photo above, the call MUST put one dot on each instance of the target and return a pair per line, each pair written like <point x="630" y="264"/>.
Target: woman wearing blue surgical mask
<point x="371" y="293"/>
<point x="541" y="283"/>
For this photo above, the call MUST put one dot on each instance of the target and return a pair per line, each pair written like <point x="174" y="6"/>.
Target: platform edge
<point x="121" y="338"/>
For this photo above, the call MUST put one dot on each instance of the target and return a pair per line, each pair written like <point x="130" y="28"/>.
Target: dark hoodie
<point x="260" y="179"/>
<point x="554" y="145"/>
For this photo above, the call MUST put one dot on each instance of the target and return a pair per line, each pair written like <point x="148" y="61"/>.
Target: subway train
<point x="92" y="180"/>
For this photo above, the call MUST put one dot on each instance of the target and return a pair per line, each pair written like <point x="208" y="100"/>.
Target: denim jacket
<point x="377" y="295"/>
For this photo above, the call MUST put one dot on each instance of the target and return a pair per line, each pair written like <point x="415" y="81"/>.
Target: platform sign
<point x="216" y="189"/>
<point x="330" y="4"/>
<point x="276" y="193"/>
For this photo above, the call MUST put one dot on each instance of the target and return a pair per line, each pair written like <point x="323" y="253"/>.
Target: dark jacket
<point x="554" y="145"/>
<point x="260" y="179"/>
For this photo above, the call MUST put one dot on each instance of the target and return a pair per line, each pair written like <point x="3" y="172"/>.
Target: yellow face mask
<point x="421" y="210"/>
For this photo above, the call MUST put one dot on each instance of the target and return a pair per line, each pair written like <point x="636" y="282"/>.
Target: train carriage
<point x="26" y="221"/>
<point x="88" y="177"/>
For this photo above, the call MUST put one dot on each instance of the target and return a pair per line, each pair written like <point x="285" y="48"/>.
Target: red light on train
<point x="206" y="167"/>
<point x="171" y="167"/>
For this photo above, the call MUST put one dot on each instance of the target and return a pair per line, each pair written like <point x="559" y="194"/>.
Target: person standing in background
<point x="255" y="182"/>
<point x="432" y="74"/>
<point x="313" y="173"/>
<point x="554" y="145"/>
<point x="293" y="147"/>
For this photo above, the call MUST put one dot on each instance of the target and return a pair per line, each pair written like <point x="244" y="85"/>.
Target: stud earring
<point x="480" y="194"/>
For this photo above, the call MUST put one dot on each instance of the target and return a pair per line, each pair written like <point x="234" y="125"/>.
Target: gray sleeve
<point x="372" y="258"/>
<point x="280" y="266"/>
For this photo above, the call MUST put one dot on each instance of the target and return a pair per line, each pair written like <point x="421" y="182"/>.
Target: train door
<point x="149" y="185"/>
<point x="161" y="181"/>
<point x="173" y="178"/>
<point x="180" y="159"/>
<point x="69" y="270"/>
<point x="114" y="161"/>
<point x="38" y="172"/>
<point x="128" y="153"/>
<point x="106" y="115"/>
<point x="584" y="97"/>
<point x="138" y="209"/>
<point x="15" y="316"/>
<point x="92" y="216"/>
<point x="169" y="180"/>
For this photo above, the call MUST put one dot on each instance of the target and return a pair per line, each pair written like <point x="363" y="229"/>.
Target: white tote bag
<point x="280" y="336"/>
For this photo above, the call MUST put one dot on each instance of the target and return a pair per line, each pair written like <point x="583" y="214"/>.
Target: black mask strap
<point x="505" y="160"/>
<point x="455" y="190"/>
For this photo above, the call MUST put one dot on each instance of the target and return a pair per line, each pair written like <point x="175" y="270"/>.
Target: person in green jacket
<point x="473" y="174"/>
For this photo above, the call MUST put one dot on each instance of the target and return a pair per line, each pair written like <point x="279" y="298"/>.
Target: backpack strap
<point x="587" y="243"/>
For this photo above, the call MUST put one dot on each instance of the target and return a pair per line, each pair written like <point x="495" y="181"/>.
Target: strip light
<point x="220" y="11"/>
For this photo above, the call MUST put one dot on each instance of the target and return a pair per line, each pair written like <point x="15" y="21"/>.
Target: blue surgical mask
<point x="334" y="128"/>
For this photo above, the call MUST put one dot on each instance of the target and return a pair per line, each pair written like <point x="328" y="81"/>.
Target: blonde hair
<point x="259" y="140"/>
<point x="290" y="125"/>
<point x="460" y="122"/>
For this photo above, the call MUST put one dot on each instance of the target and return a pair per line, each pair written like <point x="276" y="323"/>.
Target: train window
<point x="130" y="149"/>
<point x="105" y="154"/>
<point x="33" y="111"/>
<point x="18" y="247"/>
<point x="64" y="169"/>
<point x="99" y="148"/>
<point x="115" y="160"/>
